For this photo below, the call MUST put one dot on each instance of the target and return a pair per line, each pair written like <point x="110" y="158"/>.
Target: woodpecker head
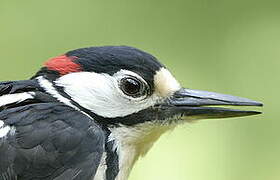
<point x="123" y="87"/>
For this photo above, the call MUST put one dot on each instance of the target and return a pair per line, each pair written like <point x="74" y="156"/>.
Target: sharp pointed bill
<point x="194" y="104"/>
<point x="199" y="98"/>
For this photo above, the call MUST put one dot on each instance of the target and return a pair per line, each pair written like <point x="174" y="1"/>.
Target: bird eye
<point x="132" y="87"/>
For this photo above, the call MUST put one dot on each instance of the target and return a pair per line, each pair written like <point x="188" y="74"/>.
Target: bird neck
<point x="133" y="142"/>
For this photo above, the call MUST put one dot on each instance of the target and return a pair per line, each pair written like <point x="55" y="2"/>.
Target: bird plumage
<point x="46" y="140"/>
<point x="91" y="113"/>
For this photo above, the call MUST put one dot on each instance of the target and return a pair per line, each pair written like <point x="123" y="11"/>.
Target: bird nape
<point x="92" y="112"/>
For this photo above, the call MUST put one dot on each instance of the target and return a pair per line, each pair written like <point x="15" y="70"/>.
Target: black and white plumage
<point x="46" y="138"/>
<point x="89" y="114"/>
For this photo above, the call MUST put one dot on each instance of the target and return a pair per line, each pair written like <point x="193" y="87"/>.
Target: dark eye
<point x="132" y="87"/>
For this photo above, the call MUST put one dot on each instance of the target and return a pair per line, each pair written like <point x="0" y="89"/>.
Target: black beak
<point x="194" y="104"/>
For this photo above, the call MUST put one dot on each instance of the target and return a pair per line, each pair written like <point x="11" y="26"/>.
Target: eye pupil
<point x="132" y="87"/>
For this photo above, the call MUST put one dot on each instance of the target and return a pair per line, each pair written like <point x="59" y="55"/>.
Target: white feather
<point x="4" y="130"/>
<point x="48" y="87"/>
<point x="15" y="98"/>
<point x="10" y="99"/>
<point x="1" y="123"/>
<point x="101" y="170"/>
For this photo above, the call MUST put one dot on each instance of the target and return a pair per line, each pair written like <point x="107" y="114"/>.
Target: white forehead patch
<point x="165" y="83"/>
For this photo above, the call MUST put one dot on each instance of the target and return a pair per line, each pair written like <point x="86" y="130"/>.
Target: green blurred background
<point x="225" y="46"/>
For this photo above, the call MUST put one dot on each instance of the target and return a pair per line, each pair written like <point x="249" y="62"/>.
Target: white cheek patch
<point x="165" y="83"/>
<point x="100" y="93"/>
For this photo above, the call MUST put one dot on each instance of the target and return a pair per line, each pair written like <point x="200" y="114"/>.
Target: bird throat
<point x="131" y="143"/>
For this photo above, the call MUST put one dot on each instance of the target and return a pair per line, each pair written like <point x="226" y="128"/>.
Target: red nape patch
<point x="63" y="64"/>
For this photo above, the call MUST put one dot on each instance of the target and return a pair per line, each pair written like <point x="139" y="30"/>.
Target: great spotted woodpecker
<point x="92" y="112"/>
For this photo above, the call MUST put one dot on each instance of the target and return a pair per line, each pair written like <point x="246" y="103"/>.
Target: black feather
<point x="51" y="141"/>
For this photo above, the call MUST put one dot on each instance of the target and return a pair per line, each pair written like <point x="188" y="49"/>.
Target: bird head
<point x="131" y="93"/>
